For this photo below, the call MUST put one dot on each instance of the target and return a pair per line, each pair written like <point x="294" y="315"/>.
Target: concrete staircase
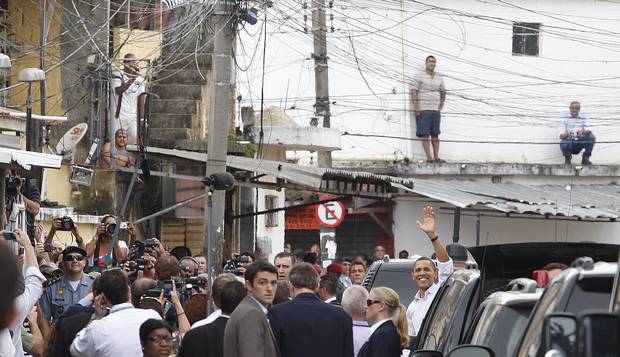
<point x="178" y="116"/>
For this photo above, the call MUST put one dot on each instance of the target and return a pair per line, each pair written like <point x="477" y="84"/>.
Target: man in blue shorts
<point x="428" y="93"/>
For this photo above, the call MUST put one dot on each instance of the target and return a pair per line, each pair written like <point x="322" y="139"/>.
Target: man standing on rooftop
<point x="428" y="94"/>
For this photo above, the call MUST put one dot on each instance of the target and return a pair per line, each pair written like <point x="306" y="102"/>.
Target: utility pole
<point x="217" y="136"/>
<point x="321" y="78"/>
<point x="321" y="105"/>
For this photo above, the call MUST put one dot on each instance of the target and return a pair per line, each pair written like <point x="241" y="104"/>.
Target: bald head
<point x="139" y="287"/>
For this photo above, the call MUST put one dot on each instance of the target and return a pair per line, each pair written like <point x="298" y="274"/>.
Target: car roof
<point x="520" y="259"/>
<point x="600" y="269"/>
<point x="511" y="298"/>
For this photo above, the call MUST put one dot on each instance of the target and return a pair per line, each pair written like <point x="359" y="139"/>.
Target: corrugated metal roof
<point x="581" y="201"/>
<point x="310" y="177"/>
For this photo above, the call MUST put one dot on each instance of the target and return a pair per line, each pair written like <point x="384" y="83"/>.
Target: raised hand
<point x="427" y="225"/>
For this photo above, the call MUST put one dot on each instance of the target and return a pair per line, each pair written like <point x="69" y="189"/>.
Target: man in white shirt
<point x="428" y="94"/>
<point x="424" y="274"/>
<point x="118" y="333"/>
<point x="575" y="135"/>
<point x="127" y="87"/>
<point x="14" y="303"/>
<point x="216" y="291"/>
<point x="354" y="303"/>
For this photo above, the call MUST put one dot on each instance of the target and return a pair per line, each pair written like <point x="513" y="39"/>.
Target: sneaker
<point x="586" y="162"/>
<point x="567" y="161"/>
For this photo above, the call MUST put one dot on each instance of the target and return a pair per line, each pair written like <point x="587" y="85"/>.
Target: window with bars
<point x="271" y="219"/>
<point x="525" y="38"/>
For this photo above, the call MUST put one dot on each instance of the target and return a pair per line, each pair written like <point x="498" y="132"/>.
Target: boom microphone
<point x="221" y="181"/>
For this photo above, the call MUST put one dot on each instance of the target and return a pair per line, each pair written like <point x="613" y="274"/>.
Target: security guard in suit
<point x="68" y="289"/>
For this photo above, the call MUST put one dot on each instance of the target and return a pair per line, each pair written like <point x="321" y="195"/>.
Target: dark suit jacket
<point x="248" y="333"/>
<point x="307" y="326"/>
<point x="207" y="340"/>
<point x="384" y="342"/>
<point x="66" y="328"/>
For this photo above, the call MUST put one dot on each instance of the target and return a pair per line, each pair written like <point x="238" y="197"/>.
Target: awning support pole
<point x="457" y="225"/>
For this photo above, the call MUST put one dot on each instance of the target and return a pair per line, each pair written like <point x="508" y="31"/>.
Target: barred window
<point x="525" y="38"/>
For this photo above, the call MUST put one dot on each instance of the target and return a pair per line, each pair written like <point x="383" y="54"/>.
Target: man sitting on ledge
<point x="575" y="135"/>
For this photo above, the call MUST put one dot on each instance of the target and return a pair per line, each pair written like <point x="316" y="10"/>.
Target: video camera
<point x="233" y="265"/>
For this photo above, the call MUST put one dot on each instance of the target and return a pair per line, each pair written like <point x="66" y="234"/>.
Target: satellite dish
<point x="69" y="141"/>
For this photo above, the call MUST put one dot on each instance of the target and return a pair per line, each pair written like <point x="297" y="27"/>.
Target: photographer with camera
<point x="104" y="256"/>
<point x="63" y="224"/>
<point x="68" y="289"/>
<point x="22" y="191"/>
<point x="26" y="296"/>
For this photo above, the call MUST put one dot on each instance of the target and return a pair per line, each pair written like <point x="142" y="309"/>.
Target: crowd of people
<point x="106" y="298"/>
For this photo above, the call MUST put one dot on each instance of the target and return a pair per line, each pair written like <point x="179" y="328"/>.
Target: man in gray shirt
<point x="428" y="94"/>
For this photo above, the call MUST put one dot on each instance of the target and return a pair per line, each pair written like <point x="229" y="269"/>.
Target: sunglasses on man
<point x="73" y="258"/>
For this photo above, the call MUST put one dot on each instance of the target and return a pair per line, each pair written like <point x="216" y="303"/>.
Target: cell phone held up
<point x="9" y="235"/>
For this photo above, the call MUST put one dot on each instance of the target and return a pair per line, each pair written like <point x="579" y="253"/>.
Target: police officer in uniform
<point x="68" y="289"/>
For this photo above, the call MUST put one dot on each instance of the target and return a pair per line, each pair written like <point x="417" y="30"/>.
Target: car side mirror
<point x="560" y="332"/>
<point x="426" y="353"/>
<point x="598" y="334"/>
<point x="471" y="351"/>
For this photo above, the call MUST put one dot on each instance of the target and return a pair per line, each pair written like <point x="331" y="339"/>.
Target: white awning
<point x="596" y="201"/>
<point x="27" y="160"/>
<point x="296" y="176"/>
<point x="11" y="119"/>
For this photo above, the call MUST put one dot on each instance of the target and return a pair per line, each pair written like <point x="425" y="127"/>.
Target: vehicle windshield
<point x="399" y="279"/>
<point x="588" y="293"/>
<point x="492" y="328"/>
<point x="443" y="315"/>
<point x="546" y="305"/>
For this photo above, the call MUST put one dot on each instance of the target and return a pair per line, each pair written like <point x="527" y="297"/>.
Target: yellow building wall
<point x="25" y="27"/>
<point x="146" y="45"/>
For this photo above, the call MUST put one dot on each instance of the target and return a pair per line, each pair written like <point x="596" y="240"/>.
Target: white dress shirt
<point x="376" y="325"/>
<point x="419" y="306"/>
<point x="214" y="315"/>
<point x="114" y="335"/>
<point x="361" y="333"/>
<point x="6" y="344"/>
<point x="33" y="282"/>
<point x="329" y="301"/>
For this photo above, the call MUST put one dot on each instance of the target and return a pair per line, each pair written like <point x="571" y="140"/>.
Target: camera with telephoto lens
<point x="12" y="184"/>
<point x="66" y="224"/>
<point x="233" y="265"/>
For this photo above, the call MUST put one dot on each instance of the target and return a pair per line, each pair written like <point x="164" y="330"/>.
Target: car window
<point x="548" y="302"/>
<point x="492" y="329"/>
<point x="590" y="293"/>
<point x="443" y="314"/>
<point x="399" y="280"/>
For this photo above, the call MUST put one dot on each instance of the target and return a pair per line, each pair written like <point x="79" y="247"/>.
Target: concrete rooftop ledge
<point x="504" y="169"/>
<point x="412" y="169"/>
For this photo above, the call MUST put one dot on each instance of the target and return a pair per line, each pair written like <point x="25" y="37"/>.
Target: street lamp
<point x="5" y="66"/>
<point x="5" y="61"/>
<point x="30" y="75"/>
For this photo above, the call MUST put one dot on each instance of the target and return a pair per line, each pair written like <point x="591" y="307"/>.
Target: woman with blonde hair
<point x="388" y="333"/>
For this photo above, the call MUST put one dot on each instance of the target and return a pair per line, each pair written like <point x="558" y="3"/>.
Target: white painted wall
<point x="492" y="230"/>
<point x="524" y="102"/>
<point x="274" y="234"/>
<point x="376" y="49"/>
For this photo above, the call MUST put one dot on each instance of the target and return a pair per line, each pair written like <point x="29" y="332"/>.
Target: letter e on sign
<point x="330" y="214"/>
